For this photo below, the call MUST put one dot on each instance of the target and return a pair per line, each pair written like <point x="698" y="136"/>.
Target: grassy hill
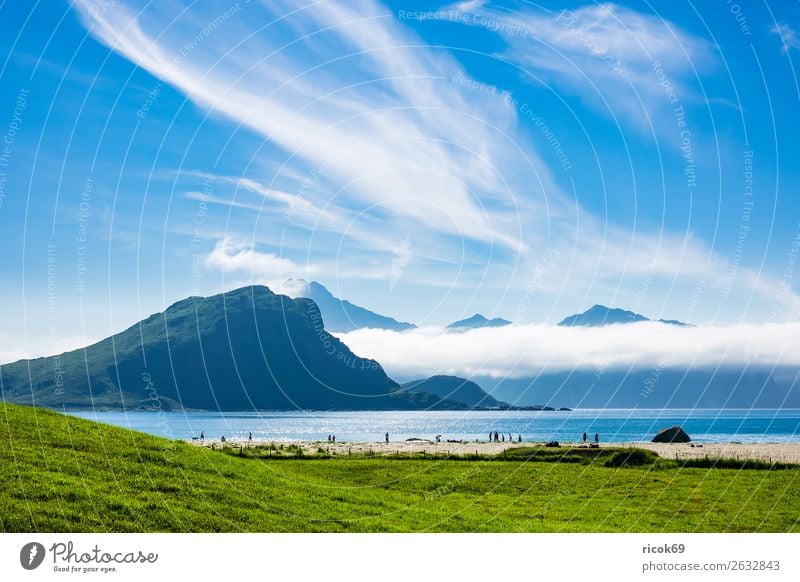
<point x="66" y="474"/>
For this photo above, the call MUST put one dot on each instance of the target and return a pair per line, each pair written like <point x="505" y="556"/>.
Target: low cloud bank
<point x="519" y="351"/>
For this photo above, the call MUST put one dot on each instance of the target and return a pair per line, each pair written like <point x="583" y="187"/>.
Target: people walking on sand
<point x="585" y="438"/>
<point x="503" y="438"/>
<point x="510" y="438"/>
<point x="202" y="436"/>
<point x="490" y="436"/>
<point x="387" y="438"/>
<point x="519" y="440"/>
<point x="333" y="438"/>
<point x="222" y="440"/>
<point x="250" y="438"/>
<point x="596" y="438"/>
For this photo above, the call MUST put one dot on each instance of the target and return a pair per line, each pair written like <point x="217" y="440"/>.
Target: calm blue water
<point x="613" y="425"/>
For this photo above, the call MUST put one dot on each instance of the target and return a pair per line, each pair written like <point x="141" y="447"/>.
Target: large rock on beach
<point x="673" y="434"/>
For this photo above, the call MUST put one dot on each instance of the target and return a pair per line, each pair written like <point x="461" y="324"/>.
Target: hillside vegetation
<point x="61" y="473"/>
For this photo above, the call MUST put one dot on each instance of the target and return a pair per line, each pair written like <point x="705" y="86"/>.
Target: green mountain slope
<point x="242" y="350"/>
<point x="458" y="389"/>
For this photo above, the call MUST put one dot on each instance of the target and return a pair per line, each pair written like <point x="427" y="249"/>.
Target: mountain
<point x="601" y="315"/>
<point x="458" y="389"/>
<point x="727" y="387"/>
<point x="248" y="349"/>
<point x="477" y="321"/>
<point x="343" y="316"/>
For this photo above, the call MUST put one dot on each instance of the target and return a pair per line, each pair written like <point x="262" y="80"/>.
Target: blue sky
<point x="515" y="159"/>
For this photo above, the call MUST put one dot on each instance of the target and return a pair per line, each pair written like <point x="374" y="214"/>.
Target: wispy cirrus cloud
<point x="339" y="87"/>
<point x="604" y="53"/>
<point x="373" y="143"/>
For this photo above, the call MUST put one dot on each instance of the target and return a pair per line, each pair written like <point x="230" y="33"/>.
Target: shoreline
<point x="783" y="452"/>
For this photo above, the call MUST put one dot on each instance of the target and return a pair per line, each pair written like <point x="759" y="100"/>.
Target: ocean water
<point x="612" y="425"/>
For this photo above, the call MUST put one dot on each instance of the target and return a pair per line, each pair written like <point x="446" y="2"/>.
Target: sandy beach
<point x="770" y="452"/>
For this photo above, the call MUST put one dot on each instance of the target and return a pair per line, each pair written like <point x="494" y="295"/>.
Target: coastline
<point x="784" y="452"/>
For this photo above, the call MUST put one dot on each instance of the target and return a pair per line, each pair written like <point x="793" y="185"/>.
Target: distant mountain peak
<point x="339" y="314"/>
<point x="599" y="315"/>
<point x="478" y="321"/>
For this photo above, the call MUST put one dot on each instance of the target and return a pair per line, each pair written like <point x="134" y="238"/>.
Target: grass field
<point x="60" y="473"/>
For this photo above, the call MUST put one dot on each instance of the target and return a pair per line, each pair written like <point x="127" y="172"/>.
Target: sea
<point x="611" y="425"/>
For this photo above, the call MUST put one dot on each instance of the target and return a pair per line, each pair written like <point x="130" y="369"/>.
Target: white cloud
<point x="788" y="36"/>
<point x="520" y="351"/>
<point x="383" y="145"/>
<point x="358" y="101"/>
<point x="232" y="256"/>
<point x="602" y="52"/>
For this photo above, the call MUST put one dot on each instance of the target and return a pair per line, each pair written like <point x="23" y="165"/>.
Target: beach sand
<point x="770" y="452"/>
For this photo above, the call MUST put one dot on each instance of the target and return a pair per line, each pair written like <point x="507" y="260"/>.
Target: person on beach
<point x="387" y="438"/>
<point x="520" y="439"/>
<point x="503" y="438"/>
<point x="222" y="440"/>
<point x="250" y="438"/>
<point x="510" y="438"/>
<point x="490" y="436"/>
<point x="596" y="438"/>
<point x="202" y="436"/>
<point x="333" y="438"/>
<point x="585" y="438"/>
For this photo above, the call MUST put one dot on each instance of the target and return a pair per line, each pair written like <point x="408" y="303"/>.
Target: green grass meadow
<point x="60" y="473"/>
